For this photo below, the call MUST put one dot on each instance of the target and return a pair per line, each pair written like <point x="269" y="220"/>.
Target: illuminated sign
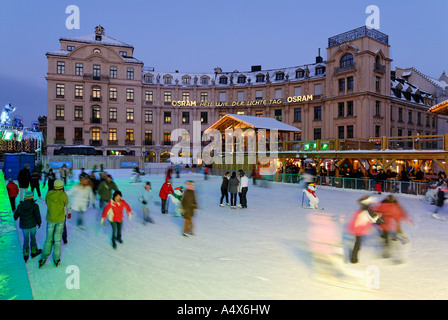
<point x="248" y="103"/>
<point x="8" y="135"/>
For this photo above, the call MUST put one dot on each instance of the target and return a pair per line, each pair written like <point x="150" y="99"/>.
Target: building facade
<point x="99" y="94"/>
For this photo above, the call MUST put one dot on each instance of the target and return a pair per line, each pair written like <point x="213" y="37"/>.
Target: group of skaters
<point x="60" y="204"/>
<point x="235" y="185"/>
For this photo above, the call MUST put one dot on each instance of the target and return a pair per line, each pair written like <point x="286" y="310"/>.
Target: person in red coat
<point x="114" y="212"/>
<point x="392" y="214"/>
<point x="166" y="189"/>
<point x="13" y="192"/>
<point x="361" y="223"/>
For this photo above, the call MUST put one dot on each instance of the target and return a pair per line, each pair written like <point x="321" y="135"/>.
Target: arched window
<point x="223" y="80"/>
<point x="280" y="76"/>
<point x="347" y="60"/>
<point x="300" y="73"/>
<point x="241" y="79"/>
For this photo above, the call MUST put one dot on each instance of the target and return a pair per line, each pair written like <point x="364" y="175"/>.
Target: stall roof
<point x="236" y="121"/>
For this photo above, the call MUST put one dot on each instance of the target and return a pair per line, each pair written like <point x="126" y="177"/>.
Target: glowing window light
<point x="19" y="136"/>
<point x="8" y="135"/>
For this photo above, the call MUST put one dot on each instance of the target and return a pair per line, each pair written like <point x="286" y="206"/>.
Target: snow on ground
<point x="251" y="254"/>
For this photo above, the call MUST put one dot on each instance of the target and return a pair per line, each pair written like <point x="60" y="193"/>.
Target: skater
<point x="13" y="192"/>
<point x="392" y="214"/>
<point x="45" y="173"/>
<point x="310" y="193"/>
<point x="83" y="174"/>
<point x="135" y="175"/>
<point x="29" y="214"/>
<point x="189" y="205"/>
<point x="145" y="198"/>
<point x="240" y="192"/>
<point x="34" y="182"/>
<point x="165" y="190"/>
<point x="440" y="201"/>
<point x="105" y="190"/>
<point x="57" y="202"/>
<point x="51" y="176"/>
<point x="114" y="213"/>
<point x="82" y="196"/>
<point x="24" y="180"/>
<point x="244" y="182"/>
<point x="233" y="189"/>
<point x="64" y="173"/>
<point x="225" y="189"/>
<point x="361" y="224"/>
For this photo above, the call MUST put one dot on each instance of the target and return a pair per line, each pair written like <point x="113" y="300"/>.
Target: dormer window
<point x="223" y="80"/>
<point x="320" y="70"/>
<point x="300" y="73"/>
<point x="148" y="78"/>
<point x="98" y="37"/>
<point x="204" y="80"/>
<point x="70" y="48"/>
<point x="167" y="80"/>
<point x="279" y="76"/>
<point x="186" y="80"/>
<point x="260" y="78"/>
<point x="241" y="79"/>
<point x="123" y="53"/>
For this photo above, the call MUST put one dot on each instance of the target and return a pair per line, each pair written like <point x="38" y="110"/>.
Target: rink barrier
<point x="418" y="188"/>
<point x="14" y="281"/>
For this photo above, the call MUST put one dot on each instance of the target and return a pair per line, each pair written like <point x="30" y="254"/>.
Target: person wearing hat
<point x="145" y="198"/>
<point x="57" y="202"/>
<point x="29" y="214"/>
<point x="13" y="192"/>
<point x="24" y="179"/>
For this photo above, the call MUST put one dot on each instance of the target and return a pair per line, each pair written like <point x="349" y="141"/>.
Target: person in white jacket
<point x="145" y="198"/>
<point x="82" y="195"/>
<point x="244" y="183"/>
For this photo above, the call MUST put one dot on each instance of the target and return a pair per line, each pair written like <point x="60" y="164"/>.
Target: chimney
<point x="319" y="58"/>
<point x="255" y="68"/>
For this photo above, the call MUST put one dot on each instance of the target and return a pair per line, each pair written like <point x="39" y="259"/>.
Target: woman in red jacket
<point x="114" y="212"/>
<point x="13" y="192"/>
<point x="166" y="189"/>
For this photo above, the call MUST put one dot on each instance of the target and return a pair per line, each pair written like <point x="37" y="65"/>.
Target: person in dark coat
<point x="189" y="205"/>
<point x="233" y="189"/>
<point x="225" y="189"/>
<point x="24" y="179"/>
<point x="405" y="181"/>
<point x="51" y="178"/>
<point x="34" y="182"/>
<point x="29" y="214"/>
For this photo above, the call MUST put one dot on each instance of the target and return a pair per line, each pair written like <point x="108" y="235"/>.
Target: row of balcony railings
<point x="368" y="184"/>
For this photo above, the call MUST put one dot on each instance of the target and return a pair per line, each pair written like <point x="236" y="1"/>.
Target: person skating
<point x="361" y="224"/>
<point x="189" y="205"/>
<point x="57" y="202"/>
<point x="165" y="190"/>
<point x="24" y="178"/>
<point x="233" y="189"/>
<point x="225" y="189"/>
<point x="440" y="201"/>
<point x="244" y="182"/>
<point x="34" y="182"/>
<point x="82" y="195"/>
<point x="145" y="198"/>
<point x="51" y="176"/>
<point x="64" y="173"/>
<point x="105" y="190"/>
<point x="83" y="174"/>
<point x="114" y="213"/>
<point x="13" y="192"/>
<point x="45" y="173"/>
<point x="29" y="214"/>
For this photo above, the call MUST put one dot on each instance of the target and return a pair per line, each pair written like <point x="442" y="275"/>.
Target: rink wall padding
<point x="14" y="281"/>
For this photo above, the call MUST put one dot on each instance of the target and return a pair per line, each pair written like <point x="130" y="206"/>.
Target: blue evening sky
<point x="199" y="35"/>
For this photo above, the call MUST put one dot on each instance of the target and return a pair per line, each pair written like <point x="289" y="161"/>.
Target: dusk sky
<point x="199" y="35"/>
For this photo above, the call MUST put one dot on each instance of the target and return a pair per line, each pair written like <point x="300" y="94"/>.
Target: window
<point x="96" y="72"/>
<point x="148" y="116"/>
<point x="79" y="92"/>
<point x="320" y="70"/>
<point x="377" y="83"/>
<point x="419" y="118"/>
<point x="341" y="84"/>
<point x="185" y="96"/>
<point x="167" y="96"/>
<point x="148" y="96"/>
<point x="297" y="91"/>
<point x="349" y="132"/>
<point x="148" y="135"/>
<point x="129" y="115"/>
<point x="240" y="95"/>
<point x="149" y="78"/>
<point x="241" y="79"/>
<point x="279" y="76"/>
<point x="297" y="114"/>
<point x="70" y="48"/>
<point x="377" y="131"/>
<point x="167" y="138"/>
<point x="300" y="73"/>
<point x="204" y="96"/>
<point x="204" y="117"/>
<point x="278" y="93"/>
<point x="400" y="114"/>
<point x="297" y="136"/>
<point x="400" y="132"/>
<point x="377" y="109"/>
<point x="60" y="133"/>
<point x="113" y="134"/>
<point x="167" y="117"/>
<point x="259" y="95"/>
<point x="317" y="114"/>
<point x="78" y="134"/>
<point x="130" y="95"/>
<point x="186" y="80"/>
<point x="96" y="114"/>
<point x="60" y="91"/>
<point x="60" y="112"/>
<point x="78" y="113"/>
<point x="185" y="117"/>
<point x="113" y="72"/>
<point x="167" y="79"/>
<point x="259" y="114"/>
<point x="278" y="114"/>
<point x="349" y="108"/>
<point x="130" y="74"/>
<point x="346" y="61"/>
<point x="113" y="94"/>
<point x="341" y="130"/>
<point x="95" y="134"/>
<point x="123" y="53"/>
<point x="223" y="80"/>
<point x="113" y="114"/>
<point x="259" y="78"/>
<point x="341" y="109"/>
<point x="427" y="120"/>
<point x="317" y="133"/>
<point x="79" y="69"/>
<point x="317" y="89"/>
<point x="60" y="67"/>
<point x="350" y="83"/>
<point x="204" y="80"/>
<point x="410" y="117"/>
<point x="222" y="97"/>
<point x="130" y="134"/>
<point x="96" y="94"/>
